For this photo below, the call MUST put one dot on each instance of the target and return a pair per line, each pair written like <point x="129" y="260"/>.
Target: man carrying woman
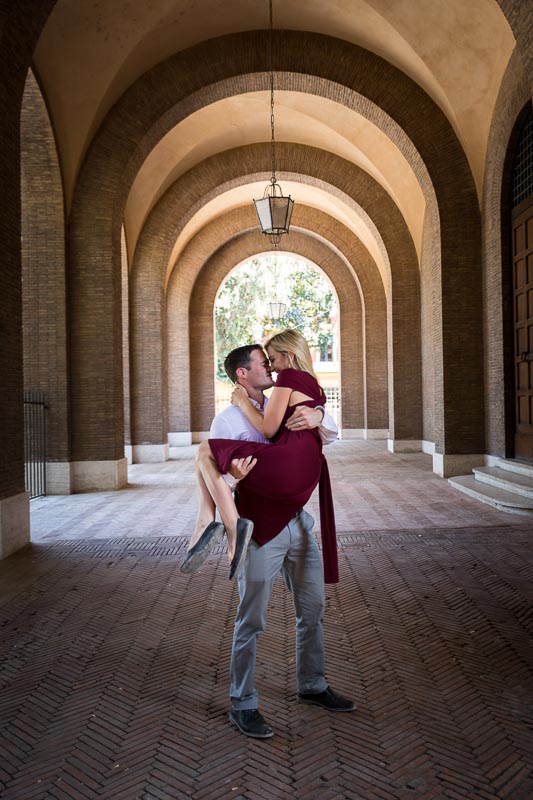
<point x="282" y="539"/>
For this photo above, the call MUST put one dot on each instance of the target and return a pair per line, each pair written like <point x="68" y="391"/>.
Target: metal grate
<point x="523" y="165"/>
<point x="35" y="443"/>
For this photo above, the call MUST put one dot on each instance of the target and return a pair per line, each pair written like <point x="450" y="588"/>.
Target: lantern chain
<point x="273" y="141"/>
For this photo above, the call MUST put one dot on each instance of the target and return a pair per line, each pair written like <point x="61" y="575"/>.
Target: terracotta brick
<point x="345" y="74"/>
<point x="182" y="289"/>
<point x="459" y="382"/>
<point x="316" y="166"/>
<point x="43" y="268"/>
<point x="20" y="26"/>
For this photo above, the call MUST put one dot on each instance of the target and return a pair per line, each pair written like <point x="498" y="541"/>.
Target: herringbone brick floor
<point x="114" y="666"/>
<point x="114" y="674"/>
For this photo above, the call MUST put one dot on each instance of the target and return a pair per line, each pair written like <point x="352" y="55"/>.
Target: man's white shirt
<point x="232" y="424"/>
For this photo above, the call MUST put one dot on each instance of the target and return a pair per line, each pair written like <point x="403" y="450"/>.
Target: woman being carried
<point x="285" y="475"/>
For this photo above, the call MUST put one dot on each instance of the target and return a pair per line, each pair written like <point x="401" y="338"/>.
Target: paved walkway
<point x="373" y="490"/>
<point x="114" y="665"/>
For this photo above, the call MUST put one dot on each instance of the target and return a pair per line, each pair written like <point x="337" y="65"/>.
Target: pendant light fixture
<point x="276" y="307"/>
<point x="274" y="210"/>
<point x="277" y="310"/>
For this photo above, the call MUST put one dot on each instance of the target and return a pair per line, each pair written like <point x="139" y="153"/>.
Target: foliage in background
<point x="242" y="313"/>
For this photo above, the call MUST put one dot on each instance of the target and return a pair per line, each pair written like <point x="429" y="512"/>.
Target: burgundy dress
<point x="286" y="474"/>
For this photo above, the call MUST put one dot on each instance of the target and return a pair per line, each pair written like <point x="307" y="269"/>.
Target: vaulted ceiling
<point x="90" y="53"/>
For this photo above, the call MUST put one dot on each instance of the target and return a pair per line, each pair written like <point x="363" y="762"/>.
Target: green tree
<point x="310" y="306"/>
<point x="238" y="310"/>
<point x="241" y="310"/>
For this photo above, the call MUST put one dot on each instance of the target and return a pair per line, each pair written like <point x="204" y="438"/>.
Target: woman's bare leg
<point x="220" y="494"/>
<point x="206" y="508"/>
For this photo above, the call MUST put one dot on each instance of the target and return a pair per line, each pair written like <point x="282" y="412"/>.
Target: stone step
<point x="498" y="498"/>
<point x="513" y="482"/>
<point x="513" y="465"/>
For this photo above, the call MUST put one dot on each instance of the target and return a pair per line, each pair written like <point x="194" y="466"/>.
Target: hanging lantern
<point x="277" y="310"/>
<point x="274" y="212"/>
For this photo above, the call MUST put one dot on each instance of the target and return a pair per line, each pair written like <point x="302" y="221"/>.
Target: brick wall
<point x="20" y="25"/>
<point x="125" y="335"/>
<point x="451" y="274"/>
<point x="520" y="19"/>
<point x="344" y="73"/>
<point x="316" y="166"/>
<point x="201" y="321"/>
<point x="43" y="268"/>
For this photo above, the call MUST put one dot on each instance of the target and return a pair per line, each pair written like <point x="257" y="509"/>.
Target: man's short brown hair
<point x="240" y="357"/>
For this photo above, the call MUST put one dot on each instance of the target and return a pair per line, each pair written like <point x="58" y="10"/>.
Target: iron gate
<point x="35" y="443"/>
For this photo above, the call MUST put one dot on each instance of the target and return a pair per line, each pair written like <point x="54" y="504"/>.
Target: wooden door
<point x="522" y="248"/>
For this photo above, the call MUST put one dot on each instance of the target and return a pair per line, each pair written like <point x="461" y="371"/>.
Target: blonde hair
<point x="293" y="345"/>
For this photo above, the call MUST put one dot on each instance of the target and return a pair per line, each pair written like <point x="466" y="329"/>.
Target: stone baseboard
<point x="99" y="476"/>
<point x="180" y="438"/>
<point x="58" y="477"/>
<point x="404" y="445"/>
<point x="199" y="436"/>
<point x="376" y="433"/>
<point x="351" y="433"/>
<point x="14" y="523"/>
<point x="448" y="466"/>
<point x="366" y="434"/>
<point x="149" y="453"/>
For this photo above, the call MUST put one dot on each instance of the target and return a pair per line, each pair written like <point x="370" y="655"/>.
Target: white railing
<point x="223" y="397"/>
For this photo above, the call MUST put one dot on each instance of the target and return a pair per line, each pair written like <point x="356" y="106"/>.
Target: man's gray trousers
<point x="293" y="552"/>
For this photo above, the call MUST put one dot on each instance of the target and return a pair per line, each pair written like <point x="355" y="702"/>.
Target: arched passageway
<point x="426" y="122"/>
<point x="394" y="212"/>
<point x="131" y="147"/>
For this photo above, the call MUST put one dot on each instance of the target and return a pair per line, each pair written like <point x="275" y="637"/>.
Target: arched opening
<point x="270" y="292"/>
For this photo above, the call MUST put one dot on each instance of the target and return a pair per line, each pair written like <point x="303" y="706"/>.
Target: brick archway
<point x="354" y="275"/>
<point x="149" y="362"/>
<point x="201" y="333"/>
<point x="336" y="69"/>
<point x="20" y="27"/>
<point x="359" y="411"/>
<point x="168" y="217"/>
